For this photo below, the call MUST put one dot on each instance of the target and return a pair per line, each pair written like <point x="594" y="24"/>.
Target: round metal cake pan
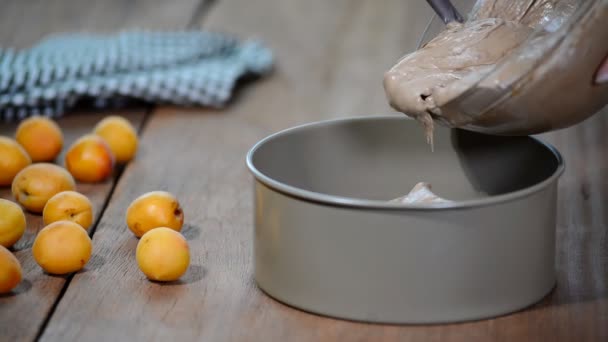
<point x="328" y="241"/>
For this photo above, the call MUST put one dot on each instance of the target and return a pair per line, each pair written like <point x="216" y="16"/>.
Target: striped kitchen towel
<point x="193" y="68"/>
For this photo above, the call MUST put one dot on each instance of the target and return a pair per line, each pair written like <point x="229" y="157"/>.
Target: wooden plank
<point x="24" y="311"/>
<point x="199" y="156"/>
<point x="24" y="314"/>
<point x="331" y="55"/>
<point x="22" y="23"/>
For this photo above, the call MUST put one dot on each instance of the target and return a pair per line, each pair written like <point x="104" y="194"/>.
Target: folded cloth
<point x="182" y="68"/>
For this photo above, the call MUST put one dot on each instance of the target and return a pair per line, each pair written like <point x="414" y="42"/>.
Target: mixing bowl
<point x="327" y="239"/>
<point x="524" y="92"/>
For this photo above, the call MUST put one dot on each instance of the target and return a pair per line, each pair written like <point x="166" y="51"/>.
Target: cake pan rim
<point x="349" y="202"/>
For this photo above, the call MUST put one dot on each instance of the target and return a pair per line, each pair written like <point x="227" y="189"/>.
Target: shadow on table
<point x="194" y="274"/>
<point x="95" y="263"/>
<point x="23" y="287"/>
<point x="191" y="232"/>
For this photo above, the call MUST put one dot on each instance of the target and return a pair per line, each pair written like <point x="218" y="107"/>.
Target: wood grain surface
<point x="330" y="60"/>
<point x="24" y="313"/>
<point x="329" y="54"/>
<point x="22" y="23"/>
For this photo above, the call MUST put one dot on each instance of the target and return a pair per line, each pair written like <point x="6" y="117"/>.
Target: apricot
<point x="10" y="271"/>
<point x="12" y="223"/>
<point x="120" y="136"/>
<point x="13" y="158"/>
<point x="62" y="247"/>
<point x="41" y="137"/>
<point x="34" y="185"/>
<point x="163" y="254"/>
<point x="152" y="210"/>
<point x="89" y="159"/>
<point x="68" y="206"/>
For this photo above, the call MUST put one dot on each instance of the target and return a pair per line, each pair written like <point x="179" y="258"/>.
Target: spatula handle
<point x="445" y="10"/>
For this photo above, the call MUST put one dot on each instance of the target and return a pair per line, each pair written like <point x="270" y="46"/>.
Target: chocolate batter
<point x="420" y="194"/>
<point x="556" y="92"/>
<point x="422" y="81"/>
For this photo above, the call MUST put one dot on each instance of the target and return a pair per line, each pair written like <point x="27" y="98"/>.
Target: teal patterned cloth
<point x="193" y="68"/>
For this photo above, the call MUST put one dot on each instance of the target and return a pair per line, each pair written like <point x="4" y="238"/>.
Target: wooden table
<point x="331" y="56"/>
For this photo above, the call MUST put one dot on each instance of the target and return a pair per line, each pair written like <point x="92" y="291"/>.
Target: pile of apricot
<point x="42" y="187"/>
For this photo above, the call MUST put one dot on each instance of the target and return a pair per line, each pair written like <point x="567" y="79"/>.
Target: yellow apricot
<point x="89" y="159"/>
<point x="69" y="206"/>
<point x="13" y="158"/>
<point x="120" y="136"/>
<point x="12" y="223"/>
<point x="10" y="270"/>
<point x="163" y="254"/>
<point x="62" y="247"/>
<point x="41" y="137"/>
<point x="34" y="185"/>
<point x="152" y="210"/>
